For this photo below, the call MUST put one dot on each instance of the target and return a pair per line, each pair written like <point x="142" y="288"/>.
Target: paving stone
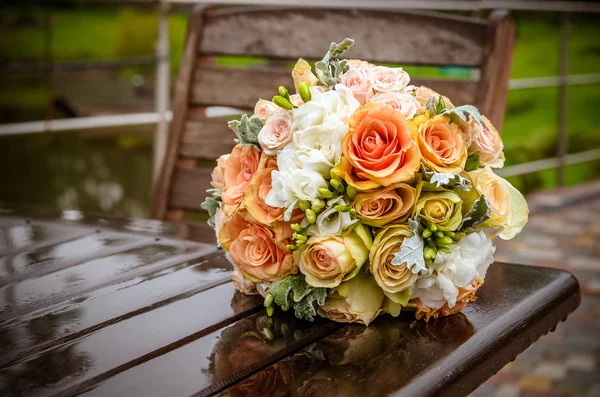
<point x="508" y="390"/>
<point x="552" y="370"/>
<point x="534" y="382"/>
<point x="581" y="362"/>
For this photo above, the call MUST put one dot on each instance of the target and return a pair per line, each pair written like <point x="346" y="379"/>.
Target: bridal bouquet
<point x="361" y="194"/>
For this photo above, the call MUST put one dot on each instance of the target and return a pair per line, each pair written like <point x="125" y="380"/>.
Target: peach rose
<point x="391" y="278"/>
<point x="326" y="261"/>
<point x="239" y="167"/>
<point x="360" y="65"/>
<point x="489" y="145"/>
<point x="256" y="249"/>
<point x="263" y="109"/>
<point x="422" y="94"/>
<point x="404" y="103"/>
<point x="276" y="133"/>
<point x="384" y="79"/>
<point x="254" y="197"/>
<point x="378" y="151"/>
<point x="382" y="207"/>
<point x="441" y="145"/>
<point x="358" y="83"/>
<point x="217" y="174"/>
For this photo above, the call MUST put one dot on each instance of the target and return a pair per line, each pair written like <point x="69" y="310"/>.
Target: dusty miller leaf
<point x="450" y="181"/>
<point x="337" y="49"/>
<point x="211" y="205"/>
<point x="324" y="74"/>
<point x="293" y="291"/>
<point x="472" y="162"/>
<point x="247" y="130"/>
<point x="305" y="309"/>
<point x="479" y="213"/>
<point x="411" y="250"/>
<point x="435" y="106"/>
<point x="463" y="112"/>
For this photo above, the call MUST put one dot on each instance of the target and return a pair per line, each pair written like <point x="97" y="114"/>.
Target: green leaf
<point x="293" y="291"/>
<point x="411" y="250"/>
<point x="472" y="162"/>
<point x="247" y="130"/>
<point x="479" y="213"/>
<point x="436" y="106"/>
<point x="464" y="111"/>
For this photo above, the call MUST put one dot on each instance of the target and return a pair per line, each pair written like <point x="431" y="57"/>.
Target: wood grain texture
<point x="243" y="87"/>
<point x="179" y="107"/>
<point x="189" y="188"/>
<point x="162" y="319"/>
<point x="495" y="70"/>
<point x="207" y="139"/>
<point x="381" y="36"/>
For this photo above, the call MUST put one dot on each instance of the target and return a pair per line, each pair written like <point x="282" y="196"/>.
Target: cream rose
<point x="276" y="133"/>
<point x="423" y="94"/>
<point x="404" y="103"/>
<point x="326" y="261"/>
<point x="391" y="278"/>
<point x="509" y="208"/>
<point x="384" y="79"/>
<point x="263" y="109"/>
<point x="358" y="300"/>
<point x="488" y="144"/>
<point x="358" y="83"/>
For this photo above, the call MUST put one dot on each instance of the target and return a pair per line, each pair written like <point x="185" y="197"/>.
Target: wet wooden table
<point x="105" y="307"/>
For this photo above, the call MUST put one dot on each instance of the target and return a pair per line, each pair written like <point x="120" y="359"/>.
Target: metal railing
<point x="161" y="117"/>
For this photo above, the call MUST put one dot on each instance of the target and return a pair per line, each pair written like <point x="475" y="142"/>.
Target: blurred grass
<point x="531" y="124"/>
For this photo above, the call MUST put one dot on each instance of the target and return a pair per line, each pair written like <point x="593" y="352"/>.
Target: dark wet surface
<point x="125" y="307"/>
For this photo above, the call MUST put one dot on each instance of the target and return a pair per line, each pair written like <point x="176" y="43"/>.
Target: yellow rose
<point x="438" y="206"/>
<point x="509" y="208"/>
<point x="359" y="300"/>
<point x="385" y="206"/>
<point x="441" y="145"/>
<point x="326" y="261"/>
<point x="391" y="278"/>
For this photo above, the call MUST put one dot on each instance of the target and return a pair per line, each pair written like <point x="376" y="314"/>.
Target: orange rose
<point x="258" y="251"/>
<point x="254" y="197"/>
<point x="217" y="174"/>
<point x="378" y="151"/>
<point x="442" y="145"/>
<point x="386" y="206"/>
<point x="240" y="167"/>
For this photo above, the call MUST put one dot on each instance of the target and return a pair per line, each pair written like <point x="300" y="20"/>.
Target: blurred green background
<point x="111" y="170"/>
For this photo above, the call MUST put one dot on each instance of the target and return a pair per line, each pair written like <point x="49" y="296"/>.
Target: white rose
<point x="263" y="109"/>
<point x="330" y="221"/>
<point x="404" y="103"/>
<point x="289" y="187"/>
<point x="276" y="132"/>
<point x="384" y="79"/>
<point x="468" y="261"/>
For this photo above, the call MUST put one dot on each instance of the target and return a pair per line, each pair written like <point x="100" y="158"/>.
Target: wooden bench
<point x="126" y="307"/>
<point x="278" y="37"/>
